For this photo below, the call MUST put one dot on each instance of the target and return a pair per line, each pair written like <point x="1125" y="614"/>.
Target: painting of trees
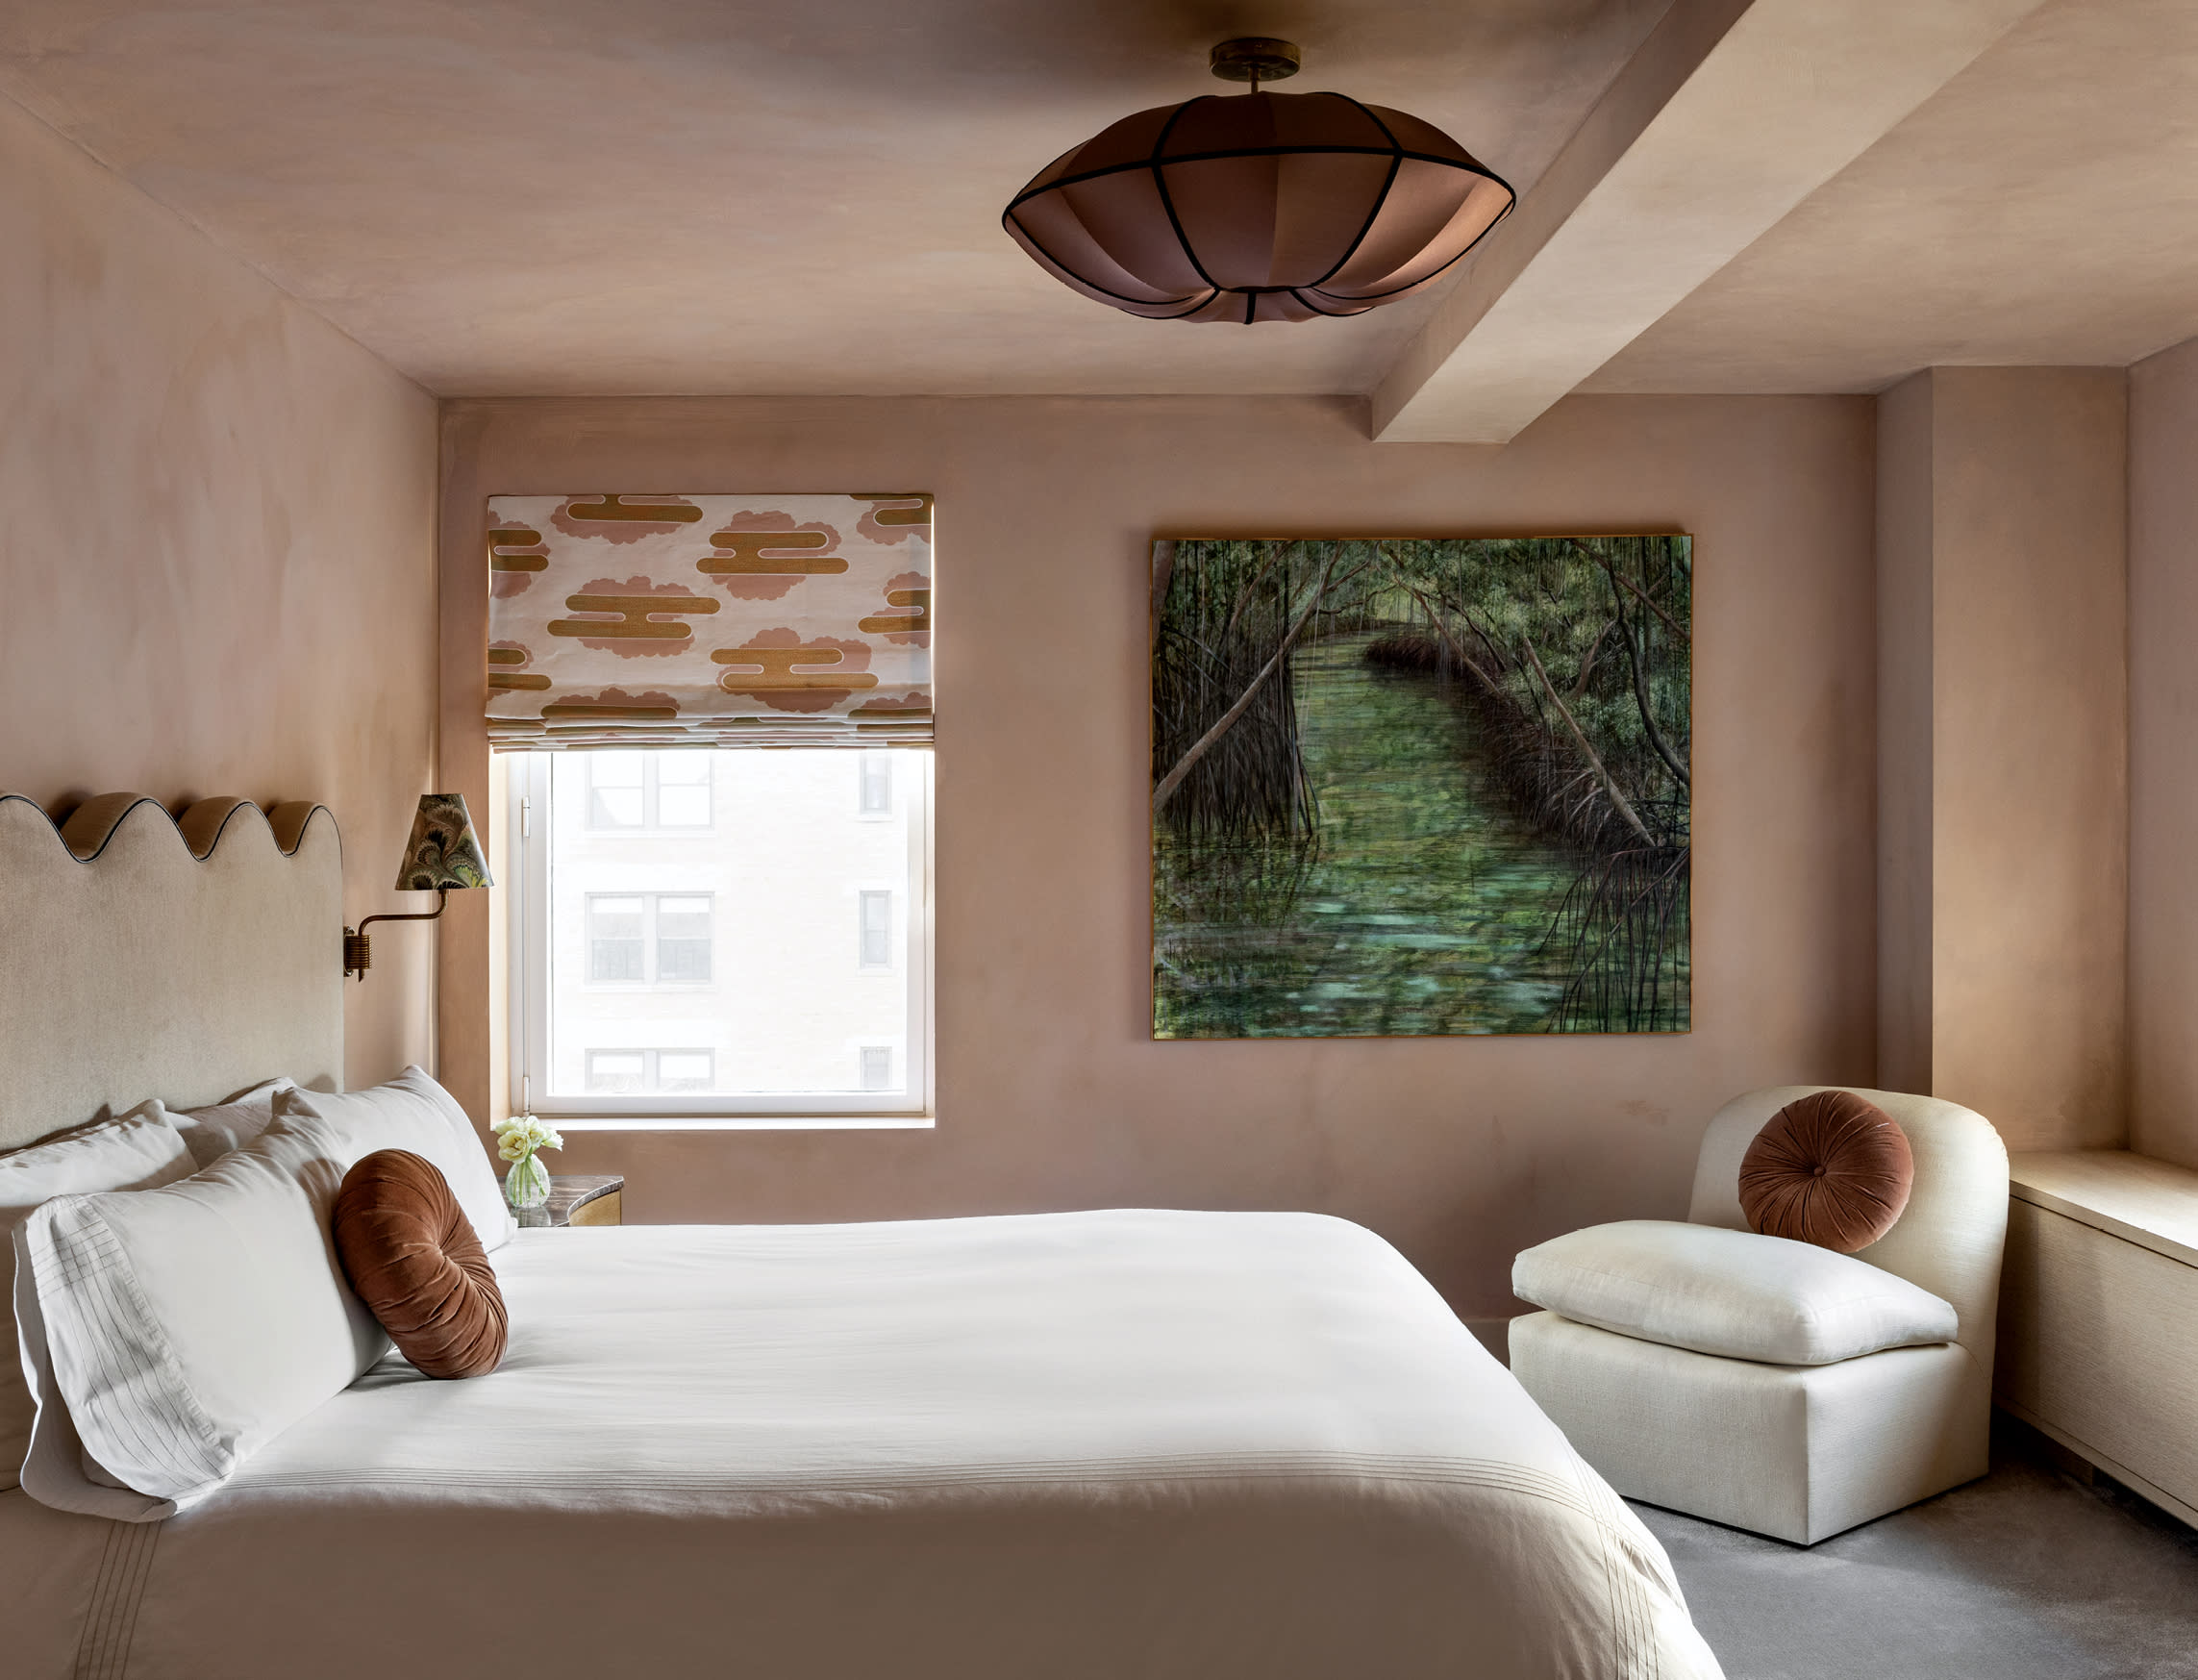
<point x="1421" y="786"/>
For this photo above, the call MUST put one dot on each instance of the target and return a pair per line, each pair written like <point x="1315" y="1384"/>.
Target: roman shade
<point x="623" y="620"/>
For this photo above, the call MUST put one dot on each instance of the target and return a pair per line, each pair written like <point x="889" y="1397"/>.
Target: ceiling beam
<point x="1727" y="118"/>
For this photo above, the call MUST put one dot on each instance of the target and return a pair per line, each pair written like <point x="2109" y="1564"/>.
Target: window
<point x="658" y="938"/>
<point x="874" y="928"/>
<point x="641" y="790"/>
<point x="615" y="942"/>
<point x="874" y="785"/>
<point x="876" y="1064"/>
<point x="630" y="1071"/>
<point x="667" y="966"/>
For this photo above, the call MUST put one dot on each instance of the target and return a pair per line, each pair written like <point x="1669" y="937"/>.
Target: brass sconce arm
<point x="359" y="950"/>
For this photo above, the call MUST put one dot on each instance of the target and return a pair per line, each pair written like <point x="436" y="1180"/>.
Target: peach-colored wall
<point x="1050" y="1093"/>
<point x="2005" y="708"/>
<point x="1904" y="736"/>
<point x="217" y="565"/>
<point x="2163" y="755"/>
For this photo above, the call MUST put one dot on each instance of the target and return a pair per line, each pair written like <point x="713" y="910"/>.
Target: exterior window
<point x="618" y="1070"/>
<point x="638" y="791"/>
<point x="625" y="929"/>
<point x="874" y="937"/>
<point x="664" y="964"/>
<point x="682" y="940"/>
<point x="681" y="789"/>
<point x="615" y="794"/>
<point x="615" y="942"/>
<point x="634" y="1071"/>
<point x="874" y="785"/>
<point x="877" y="1066"/>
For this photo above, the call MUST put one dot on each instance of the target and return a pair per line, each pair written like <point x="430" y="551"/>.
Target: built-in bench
<point x="2098" y="1339"/>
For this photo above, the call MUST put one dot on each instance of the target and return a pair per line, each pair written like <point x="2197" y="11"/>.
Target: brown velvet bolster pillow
<point x="1830" y="1170"/>
<point x="414" y="1260"/>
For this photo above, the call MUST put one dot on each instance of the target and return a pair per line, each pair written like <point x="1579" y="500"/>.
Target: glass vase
<point x="528" y="1184"/>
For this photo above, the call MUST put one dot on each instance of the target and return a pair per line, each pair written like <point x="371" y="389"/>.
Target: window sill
<point x="740" y="1122"/>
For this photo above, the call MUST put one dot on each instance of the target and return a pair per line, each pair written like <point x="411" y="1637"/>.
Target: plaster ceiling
<point x="2040" y="208"/>
<point x="635" y="196"/>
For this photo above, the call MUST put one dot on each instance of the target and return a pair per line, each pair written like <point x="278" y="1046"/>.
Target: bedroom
<point x="291" y="294"/>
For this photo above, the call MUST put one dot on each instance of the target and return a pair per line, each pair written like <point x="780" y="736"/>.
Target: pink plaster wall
<point x="2029" y="822"/>
<point x="1050" y="1093"/>
<point x="2163" y="755"/>
<point x="2002" y="772"/>
<point x="217" y="563"/>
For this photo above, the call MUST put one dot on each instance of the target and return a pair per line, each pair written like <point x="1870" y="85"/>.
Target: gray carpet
<point x="2029" y="1574"/>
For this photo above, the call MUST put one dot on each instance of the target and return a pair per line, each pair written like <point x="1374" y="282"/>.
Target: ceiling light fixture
<point x="1276" y="206"/>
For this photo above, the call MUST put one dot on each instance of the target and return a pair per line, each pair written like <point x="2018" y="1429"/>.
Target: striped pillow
<point x="132" y="1153"/>
<point x="183" y="1327"/>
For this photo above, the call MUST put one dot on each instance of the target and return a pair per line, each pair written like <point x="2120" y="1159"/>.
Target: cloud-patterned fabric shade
<point x="1264" y="207"/>
<point x="443" y="851"/>
<point x="710" y="620"/>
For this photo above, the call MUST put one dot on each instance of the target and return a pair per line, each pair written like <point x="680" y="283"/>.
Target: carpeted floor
<point x="2029" y="1574"/>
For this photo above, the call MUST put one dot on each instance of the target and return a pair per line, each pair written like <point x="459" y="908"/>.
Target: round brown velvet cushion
<point x="417" y="1263"/>
<point x="1830" y="1170"/>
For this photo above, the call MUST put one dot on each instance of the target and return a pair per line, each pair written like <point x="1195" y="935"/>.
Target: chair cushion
<point x="1831" y="1169"/>
<point x="1735" y="1293"/>
<point x="412" y="1257"/>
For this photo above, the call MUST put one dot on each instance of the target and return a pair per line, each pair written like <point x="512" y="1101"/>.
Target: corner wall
<point x="2163" y="755"/>
<point x="1051" y="1094"/>
<point x="216" y="569"/>
<point x="2003" y="732"/>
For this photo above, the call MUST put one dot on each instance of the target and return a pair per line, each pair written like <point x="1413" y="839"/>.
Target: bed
<point x="1111" y="1444"/>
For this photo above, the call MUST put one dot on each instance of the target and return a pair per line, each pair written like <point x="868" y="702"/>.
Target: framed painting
<point x="1421" y="787"/>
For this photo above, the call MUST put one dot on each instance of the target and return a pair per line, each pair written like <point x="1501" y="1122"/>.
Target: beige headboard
<point x="141" y="956"/>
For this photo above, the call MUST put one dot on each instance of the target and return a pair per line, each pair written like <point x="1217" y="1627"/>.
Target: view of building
<point x="731" y="922"/>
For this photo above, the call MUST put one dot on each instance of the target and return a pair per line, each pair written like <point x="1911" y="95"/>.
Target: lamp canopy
<point x="443" y="851"/>
<point x="1268" y="207"/>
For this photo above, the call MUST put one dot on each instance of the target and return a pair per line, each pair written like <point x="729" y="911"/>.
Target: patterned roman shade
<point x="717" y="620"/>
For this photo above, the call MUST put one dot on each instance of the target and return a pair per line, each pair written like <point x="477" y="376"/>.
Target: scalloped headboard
<point x="141" y="956"/>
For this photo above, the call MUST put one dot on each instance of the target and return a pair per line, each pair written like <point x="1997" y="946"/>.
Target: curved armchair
<point x="1801" y="1452"/>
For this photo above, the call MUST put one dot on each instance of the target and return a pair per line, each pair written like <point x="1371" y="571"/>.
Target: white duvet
<point x="1069" y="1447"/>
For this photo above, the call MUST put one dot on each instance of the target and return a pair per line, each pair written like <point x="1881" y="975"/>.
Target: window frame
<point x="529" y="827"/>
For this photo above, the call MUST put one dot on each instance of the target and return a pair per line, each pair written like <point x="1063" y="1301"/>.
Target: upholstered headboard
<point x="141" y="956"/>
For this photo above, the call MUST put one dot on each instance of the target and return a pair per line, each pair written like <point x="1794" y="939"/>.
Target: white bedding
<point x="1075" y="1446"/>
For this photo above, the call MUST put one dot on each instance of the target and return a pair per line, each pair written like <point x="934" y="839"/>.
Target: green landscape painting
<point x="1422" y="786"/>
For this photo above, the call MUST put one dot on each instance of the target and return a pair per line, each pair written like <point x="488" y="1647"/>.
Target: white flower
<point x="520" y="1135"/>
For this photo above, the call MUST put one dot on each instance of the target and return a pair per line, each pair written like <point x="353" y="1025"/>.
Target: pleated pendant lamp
<point x="1268" y="207"/>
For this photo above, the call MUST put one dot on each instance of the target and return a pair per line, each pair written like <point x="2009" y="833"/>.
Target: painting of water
<point x="1423" y="787"/>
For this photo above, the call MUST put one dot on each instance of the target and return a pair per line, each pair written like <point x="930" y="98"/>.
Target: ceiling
<point x="2040" y="208"/>
<point x="582" y="196"/>
<point x="762" y="196"/>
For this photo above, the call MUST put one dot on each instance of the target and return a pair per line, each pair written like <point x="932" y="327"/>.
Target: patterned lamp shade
<point x="443" y="851"/>
<point x="1270" y="207"/>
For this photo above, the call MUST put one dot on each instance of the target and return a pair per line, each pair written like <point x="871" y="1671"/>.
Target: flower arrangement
<point x="517" y="1139"/>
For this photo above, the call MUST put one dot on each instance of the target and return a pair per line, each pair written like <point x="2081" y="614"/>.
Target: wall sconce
<point x="442" y="853"/>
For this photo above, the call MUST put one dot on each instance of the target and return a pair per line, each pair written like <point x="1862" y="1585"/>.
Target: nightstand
<point x="580" y="1198"/>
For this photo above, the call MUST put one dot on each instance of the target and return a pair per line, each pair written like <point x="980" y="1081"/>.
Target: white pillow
<point x="130" y="1153"/>
<point x="413" y="1112"/>
<point x="1729" y="1292"/>
<point x="169" y="1333"/>
<point x="210" y="1133"/>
